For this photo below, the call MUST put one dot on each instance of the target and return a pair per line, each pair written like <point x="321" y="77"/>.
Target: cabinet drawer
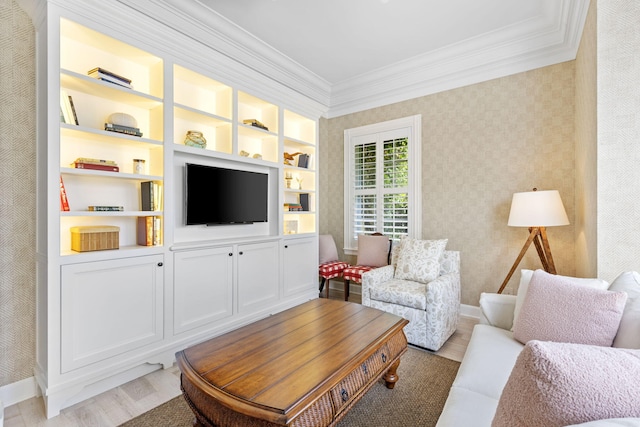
<point x="352" y="385"/>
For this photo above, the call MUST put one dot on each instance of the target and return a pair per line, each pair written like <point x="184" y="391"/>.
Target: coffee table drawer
<point x="350" y="387"/>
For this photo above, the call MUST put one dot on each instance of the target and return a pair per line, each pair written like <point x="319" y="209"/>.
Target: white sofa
<point x="487" y="364"/>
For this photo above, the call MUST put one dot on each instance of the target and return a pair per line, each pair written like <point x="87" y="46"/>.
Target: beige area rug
<point x="416" y="400"/>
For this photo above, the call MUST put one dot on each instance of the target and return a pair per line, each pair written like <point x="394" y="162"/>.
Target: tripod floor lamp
<point x="536" y="210"/>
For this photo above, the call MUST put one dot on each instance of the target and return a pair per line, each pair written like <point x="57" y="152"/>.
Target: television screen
<point x="216" y="195"/>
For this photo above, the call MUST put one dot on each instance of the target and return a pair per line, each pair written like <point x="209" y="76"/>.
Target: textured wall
<point x="586" y="150"/>
<point x="618" y="137"/>
<point x="17" y="203"/>
<point x="481" y="143"/>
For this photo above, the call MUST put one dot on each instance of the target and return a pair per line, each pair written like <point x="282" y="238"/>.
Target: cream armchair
<point x="432" y="308"/>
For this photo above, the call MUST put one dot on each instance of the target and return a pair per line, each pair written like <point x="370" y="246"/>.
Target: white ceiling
<point x="349" y="55"/>
<point x="341" y="39"/>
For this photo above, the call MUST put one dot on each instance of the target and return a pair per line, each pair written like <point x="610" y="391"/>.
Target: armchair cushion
<point x="401" y="292"/>
<point x="332" y="269"/>
<point x="419" y="260"/>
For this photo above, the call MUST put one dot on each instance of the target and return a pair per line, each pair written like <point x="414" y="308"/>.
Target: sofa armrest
<point x="375" y="277"/>
<point x="497" y="310"/>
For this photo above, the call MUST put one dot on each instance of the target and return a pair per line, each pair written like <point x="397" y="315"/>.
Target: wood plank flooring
<point x="120" y="404"/>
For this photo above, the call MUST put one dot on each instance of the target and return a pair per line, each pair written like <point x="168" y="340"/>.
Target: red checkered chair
<point x="330" y="267"/>
<point x="374" y="251"/>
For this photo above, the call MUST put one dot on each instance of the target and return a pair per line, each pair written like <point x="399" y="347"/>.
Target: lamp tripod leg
<point x="532" y="234"/>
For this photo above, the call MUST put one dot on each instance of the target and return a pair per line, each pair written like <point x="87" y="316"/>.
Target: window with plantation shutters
<point x="382" y="178"/>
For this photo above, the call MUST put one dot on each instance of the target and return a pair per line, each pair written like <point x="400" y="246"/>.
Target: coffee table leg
<point x="390" y="378"/>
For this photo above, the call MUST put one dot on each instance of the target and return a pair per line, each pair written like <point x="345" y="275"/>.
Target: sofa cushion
<point x="457" y="409"/>
<point x="373" y="251"/>
<point x="525" y="278"/>
<point x="401" y="292"/>
<point x="611" y="422"/>
<point x="419" y="260"/>
<point x="487" y="362"/>
<point x="557" y="310"/>
<point x="629" y="331"/>
<point x="557" y="384"/>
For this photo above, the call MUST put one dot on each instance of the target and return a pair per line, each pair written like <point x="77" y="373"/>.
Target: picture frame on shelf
<point x="291" y="226"/>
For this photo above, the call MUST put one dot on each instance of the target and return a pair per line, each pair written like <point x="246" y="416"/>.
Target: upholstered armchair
<point x="432" y="307"/>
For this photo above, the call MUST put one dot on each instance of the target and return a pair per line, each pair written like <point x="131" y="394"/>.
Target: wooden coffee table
<point x="306" y="366"/>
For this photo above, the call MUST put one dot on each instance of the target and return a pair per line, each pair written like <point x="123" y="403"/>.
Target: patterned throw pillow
<point x="419" y="260"/>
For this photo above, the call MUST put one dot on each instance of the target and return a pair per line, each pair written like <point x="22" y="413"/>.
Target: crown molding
<point x="239" y="57"/>
<point x="207" y="27"/>
<point x="548" y="39"/>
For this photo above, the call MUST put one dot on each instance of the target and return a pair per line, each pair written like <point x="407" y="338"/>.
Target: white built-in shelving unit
<point x="105" y="317"/>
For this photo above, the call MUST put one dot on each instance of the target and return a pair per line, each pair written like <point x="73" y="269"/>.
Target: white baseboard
<point x="13" y="393"/>
<point x="470" y="311"/>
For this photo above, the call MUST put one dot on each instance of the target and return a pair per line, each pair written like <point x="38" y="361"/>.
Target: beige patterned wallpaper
<point x="618" y="137"/>
<point x="481" y="143"/>
<point x="17" y="204"/>
<point x="586" y="150"/>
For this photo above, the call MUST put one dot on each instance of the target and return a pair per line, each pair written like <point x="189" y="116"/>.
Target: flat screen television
<point x="216" y="196"/>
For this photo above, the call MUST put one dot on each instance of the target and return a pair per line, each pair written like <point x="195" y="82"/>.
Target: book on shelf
<point x="64" y="201"/>
<point x="100" y="208"/>
<point x="96" y="167"/>
<point x="149" y="231"/>
<point x="122" y="129"/>
<point x="73" y="111"/>
<point x="65" y="107"/>
<point x="151" y="196"/>
<point x="303" y="160"/>
<point x="95" y="161"/>
<point x="110" y="77"/>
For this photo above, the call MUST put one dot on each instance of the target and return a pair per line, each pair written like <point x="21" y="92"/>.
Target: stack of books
<point x="255" y="123"/>
<point x="292" y="207"/>
<point x="110" y="77"/>
<point x="150" y="196"/>
<point x="95" y="164"/>
<point x="149" y="231"/>
<point x="122" y="129"/>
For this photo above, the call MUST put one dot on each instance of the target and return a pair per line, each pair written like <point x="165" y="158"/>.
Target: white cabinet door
<point x="109" y="308"/>
<point x="258" y="275"/>
<point x="202" y="287"/>
<point x="300" y="265"/>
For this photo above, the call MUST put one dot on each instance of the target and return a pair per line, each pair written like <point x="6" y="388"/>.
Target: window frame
<point x="412" y="126"/>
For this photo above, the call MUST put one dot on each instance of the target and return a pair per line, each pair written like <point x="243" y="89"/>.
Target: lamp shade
<point x="537" y="209"/>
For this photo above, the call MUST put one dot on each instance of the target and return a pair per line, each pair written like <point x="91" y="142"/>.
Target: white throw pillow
<point x="419" y="260"/>
<point x="525" y="278"/>
<point x="328" y="251"/>
<point x="629" y="331"/>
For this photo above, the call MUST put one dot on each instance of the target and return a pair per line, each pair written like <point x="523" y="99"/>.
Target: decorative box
<point x="95" y="238"/>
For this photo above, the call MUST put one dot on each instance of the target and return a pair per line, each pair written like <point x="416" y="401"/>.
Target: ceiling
<point x="341" y="39"/>
<point x="351" y="55"/>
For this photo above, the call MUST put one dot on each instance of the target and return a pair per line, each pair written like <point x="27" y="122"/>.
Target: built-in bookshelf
<point x="94" y="101"/>
<point x="117" y="311"/>
<point x="299" y="174"/>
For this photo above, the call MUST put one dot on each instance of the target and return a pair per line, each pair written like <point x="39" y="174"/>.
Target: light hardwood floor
<point x="120" y="404"/>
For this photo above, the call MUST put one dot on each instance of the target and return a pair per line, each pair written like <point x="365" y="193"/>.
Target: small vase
<point x="195" y="138"/>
